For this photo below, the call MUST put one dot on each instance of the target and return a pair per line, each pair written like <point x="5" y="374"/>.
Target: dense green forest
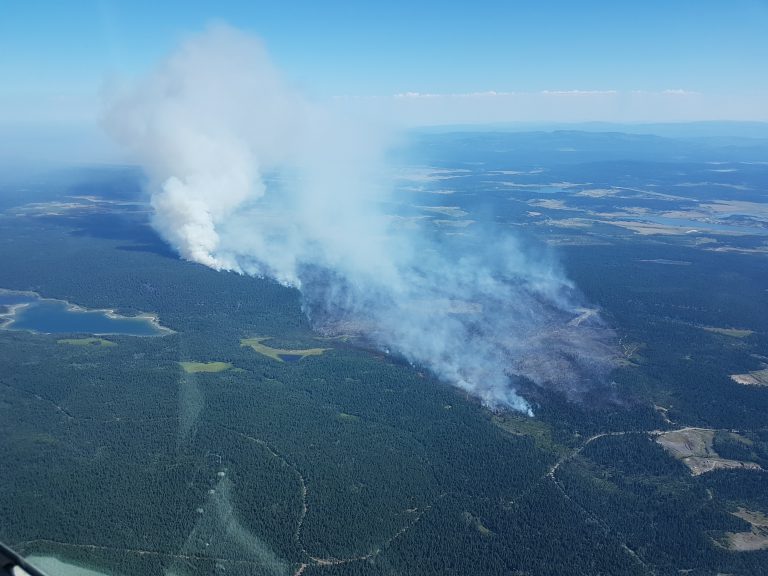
<point x="355" y="463"/>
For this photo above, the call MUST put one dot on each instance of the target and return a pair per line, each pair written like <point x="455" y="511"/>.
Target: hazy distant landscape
<point x="251" y="438"/>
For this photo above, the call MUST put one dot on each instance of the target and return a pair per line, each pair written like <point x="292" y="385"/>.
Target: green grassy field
<point x="194" y="367"/>
<point x="275" y="353"/>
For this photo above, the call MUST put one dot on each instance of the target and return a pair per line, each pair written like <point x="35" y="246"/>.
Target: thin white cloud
<point x="679" y="92"/>
<point x="495" y="94"/>
<point x="414" y="108"/>
<point x="427" y="95"/>
<point x="580" y="92"/>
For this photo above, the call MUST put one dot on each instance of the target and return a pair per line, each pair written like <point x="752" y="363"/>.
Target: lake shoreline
<point x="12" y="314"/>
<point x="9" y="317"/>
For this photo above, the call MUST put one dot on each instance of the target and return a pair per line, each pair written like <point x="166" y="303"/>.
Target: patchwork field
<point x="755" y="378"/>
<point x="754" y="539"/>
<point x="693" y="446"/>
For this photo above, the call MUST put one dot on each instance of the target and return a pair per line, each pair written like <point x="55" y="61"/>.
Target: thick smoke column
<point x="248" y="176"/>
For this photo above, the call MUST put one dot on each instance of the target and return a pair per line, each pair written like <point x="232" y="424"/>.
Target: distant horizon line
<point x="92" y="147"/>
<point x="746" y="129"/>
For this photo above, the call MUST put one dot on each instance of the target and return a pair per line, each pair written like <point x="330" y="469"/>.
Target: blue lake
<point x="28" y="311"/>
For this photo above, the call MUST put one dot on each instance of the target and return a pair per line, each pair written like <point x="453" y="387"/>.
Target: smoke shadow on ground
<point x="123" y="226"/>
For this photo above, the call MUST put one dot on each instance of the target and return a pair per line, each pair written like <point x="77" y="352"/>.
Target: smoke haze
<point x="247" y="175"/>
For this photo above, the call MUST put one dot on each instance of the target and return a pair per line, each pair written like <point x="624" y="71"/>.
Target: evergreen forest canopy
<point x="245" y="442"/>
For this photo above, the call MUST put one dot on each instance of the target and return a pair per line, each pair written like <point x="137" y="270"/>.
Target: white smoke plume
<point x="247" y="175"/>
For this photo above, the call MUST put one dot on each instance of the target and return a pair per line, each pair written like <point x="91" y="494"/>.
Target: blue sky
<point x="436" y="61"/>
